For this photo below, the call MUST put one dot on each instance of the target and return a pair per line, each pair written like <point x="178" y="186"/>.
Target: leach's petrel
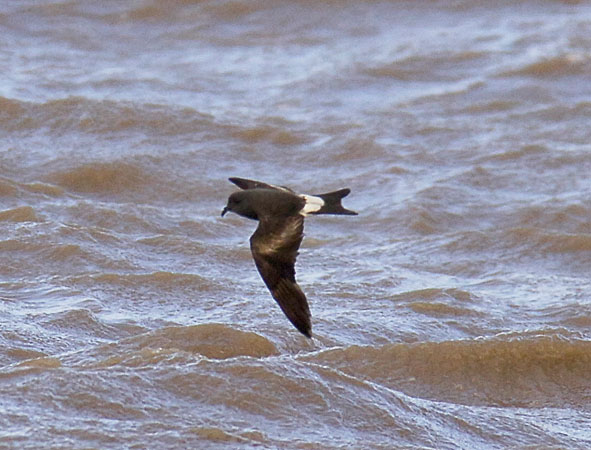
<point x="275" y="243"/>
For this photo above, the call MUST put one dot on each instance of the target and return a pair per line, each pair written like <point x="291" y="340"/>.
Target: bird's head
<point x="239" y="203"/>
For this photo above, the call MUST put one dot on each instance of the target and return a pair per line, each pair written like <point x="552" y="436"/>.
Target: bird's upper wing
<point x="274" y="246"/>
<point x="243" y="183"/>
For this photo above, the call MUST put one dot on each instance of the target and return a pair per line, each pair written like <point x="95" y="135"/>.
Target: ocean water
<point x="453" y="312"/>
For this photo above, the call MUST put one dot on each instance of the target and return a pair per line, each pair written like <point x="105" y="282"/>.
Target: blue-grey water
<point x="453" y="312"/>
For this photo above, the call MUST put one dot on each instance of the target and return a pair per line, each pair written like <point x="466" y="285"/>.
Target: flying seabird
<point x="275" y="243"/>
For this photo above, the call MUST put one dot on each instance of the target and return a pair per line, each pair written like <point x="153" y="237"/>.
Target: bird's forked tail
<point x="331" y="203"/>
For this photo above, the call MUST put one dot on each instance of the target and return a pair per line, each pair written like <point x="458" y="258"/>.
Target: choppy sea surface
<point x="453" y="312"/>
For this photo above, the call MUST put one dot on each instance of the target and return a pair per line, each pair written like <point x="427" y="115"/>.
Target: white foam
<point x="312" y="205"/>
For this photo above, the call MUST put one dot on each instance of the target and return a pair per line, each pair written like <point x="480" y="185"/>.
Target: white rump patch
<point x="312" y="205"/>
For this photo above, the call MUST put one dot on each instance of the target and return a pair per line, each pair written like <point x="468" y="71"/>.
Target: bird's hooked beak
<point x="224" y="211"/>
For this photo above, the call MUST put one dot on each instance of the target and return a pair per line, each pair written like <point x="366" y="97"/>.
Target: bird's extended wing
<point x="243" y="183"/>
<point x="274" y="246"/>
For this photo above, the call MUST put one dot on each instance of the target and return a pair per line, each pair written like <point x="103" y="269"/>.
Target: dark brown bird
<point x="275" y="243"/>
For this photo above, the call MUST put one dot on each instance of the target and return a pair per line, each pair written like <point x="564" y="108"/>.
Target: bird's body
<point x="262" y="202"/>
<point x="275" y="243"/>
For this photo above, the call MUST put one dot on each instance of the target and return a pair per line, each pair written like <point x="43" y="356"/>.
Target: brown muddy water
<point x="453" y="312"/>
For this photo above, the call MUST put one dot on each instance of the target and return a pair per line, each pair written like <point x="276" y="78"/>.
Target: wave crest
<point x="216" y="341"/>
<point x="535" y="371"/>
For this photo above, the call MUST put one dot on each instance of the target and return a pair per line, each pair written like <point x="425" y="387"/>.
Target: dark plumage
<point x="275" y="243"/>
